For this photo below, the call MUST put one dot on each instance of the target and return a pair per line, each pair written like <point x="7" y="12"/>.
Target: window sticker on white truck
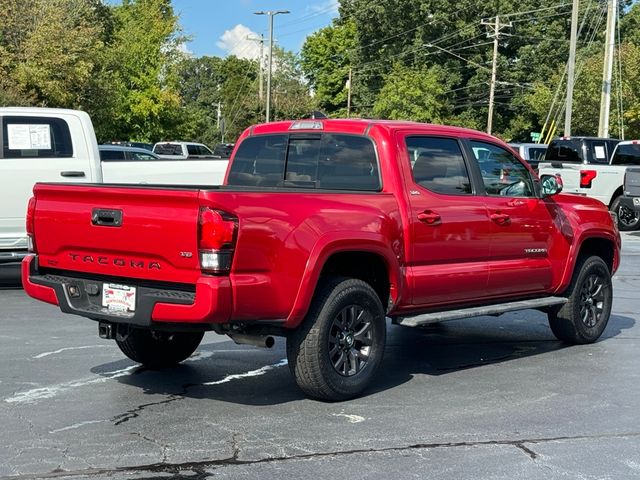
<point x="600" y="153"/>
<point x="29" y="137"/>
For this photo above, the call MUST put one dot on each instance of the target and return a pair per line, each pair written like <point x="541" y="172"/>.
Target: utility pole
<point x="270" y="14"/>
<point x="349" y="93"/>
<point x="497" y="26"/>
<point x="605" y="99"/>
<point x="260" y="40"/>
<point x="571" y="68"/>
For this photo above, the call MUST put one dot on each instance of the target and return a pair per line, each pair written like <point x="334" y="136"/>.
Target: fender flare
<point x="585" y="235"/>
<point x="335" y="242"/>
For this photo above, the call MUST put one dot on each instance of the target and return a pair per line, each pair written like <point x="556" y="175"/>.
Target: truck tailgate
<point x="632" y="182"/>
<point x="146" y="233"/>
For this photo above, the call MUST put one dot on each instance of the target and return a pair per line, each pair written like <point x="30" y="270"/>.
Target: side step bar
<point x="498" y="309"/>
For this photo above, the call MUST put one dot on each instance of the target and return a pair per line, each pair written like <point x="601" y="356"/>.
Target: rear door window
<point x="598" y="151"/>
<point x="437" y="164"/>
<point x="326" y="161"/>
<point x="35" y="137"/>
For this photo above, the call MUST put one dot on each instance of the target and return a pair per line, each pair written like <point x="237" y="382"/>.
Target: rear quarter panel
<point x="285" y="238"/>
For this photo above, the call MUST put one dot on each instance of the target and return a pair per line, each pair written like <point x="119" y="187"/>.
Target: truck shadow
<point x="226" y="372"/>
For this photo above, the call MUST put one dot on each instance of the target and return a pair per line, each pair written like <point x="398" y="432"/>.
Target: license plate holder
<point x="119" y="298"/>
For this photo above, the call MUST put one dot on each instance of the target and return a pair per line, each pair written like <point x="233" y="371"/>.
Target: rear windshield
<point x="168" y="149"/>
<point x="565" y="151"/>
<point x="327" y="161"/>
<point x="627" y="155"/>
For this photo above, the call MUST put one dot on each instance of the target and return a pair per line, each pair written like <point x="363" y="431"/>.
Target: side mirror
<point x="551" y="185"/>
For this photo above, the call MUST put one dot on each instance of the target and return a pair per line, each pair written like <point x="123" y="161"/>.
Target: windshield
<point x="627" y="155"/>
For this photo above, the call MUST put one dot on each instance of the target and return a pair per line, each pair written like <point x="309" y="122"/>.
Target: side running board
<point x="447" y="315"/>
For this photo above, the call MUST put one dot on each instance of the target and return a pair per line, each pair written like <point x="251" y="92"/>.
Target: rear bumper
<point x="208" y="302"/>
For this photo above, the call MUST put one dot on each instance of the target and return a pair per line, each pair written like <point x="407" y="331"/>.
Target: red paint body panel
<point x="285" y="238"/>
<point x="45" y="294"/>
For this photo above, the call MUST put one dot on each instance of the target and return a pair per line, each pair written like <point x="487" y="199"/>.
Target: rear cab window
<point x="168" y="149"/>
<point x="567" y="151"/>
<point x="35" y="137"/>
<point x="316" y="161"/>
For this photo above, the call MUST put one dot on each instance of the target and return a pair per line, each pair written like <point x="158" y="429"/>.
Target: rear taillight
<point x="31" y="215"/>
<point x="586" y="177"/>
<point x="216" y="240"/>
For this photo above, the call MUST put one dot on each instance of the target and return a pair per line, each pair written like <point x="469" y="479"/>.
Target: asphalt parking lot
<point x="486" y="398"/>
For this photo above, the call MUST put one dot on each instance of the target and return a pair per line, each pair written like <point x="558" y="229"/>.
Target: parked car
<point x="630" y="200"/>
<point x="56" y="145"/>
<point x="119" y="153"/>
<point x="146" y="146"/>
<point x="602" y="181"/>
<point x="533" y="153"/>
<point x="322" y="229"/>
<point x="224" y="149"/>
<point x="183" y="150"/>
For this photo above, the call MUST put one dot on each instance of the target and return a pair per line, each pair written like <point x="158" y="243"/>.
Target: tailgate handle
<point x="106" y="218"/>
<point x="72" y="173"/>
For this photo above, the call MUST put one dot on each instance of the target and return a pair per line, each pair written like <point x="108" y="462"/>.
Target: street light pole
<point x="270" y="14"/>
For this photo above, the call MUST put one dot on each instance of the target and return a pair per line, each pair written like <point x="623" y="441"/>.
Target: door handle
<point x="72" y="173"/>
<point x="500" y="218"/>
<point x="429" y="217"/>
<point x="516" y="203"/>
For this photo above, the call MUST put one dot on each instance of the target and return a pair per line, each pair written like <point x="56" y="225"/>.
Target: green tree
<point x="49" y="51"/>
<point x="140" y="65"/>
<point x="414" y="94"/>
<point x="325" y="61"/>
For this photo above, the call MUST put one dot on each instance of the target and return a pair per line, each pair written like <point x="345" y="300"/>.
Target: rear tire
<point x="584" y="317"/>
<point x="157" y="350"/>
<point x="335" y="353"/>
<point x="628" y="219"/>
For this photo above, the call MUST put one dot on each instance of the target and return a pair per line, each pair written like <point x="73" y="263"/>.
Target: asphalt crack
<point x="135" y="412"/>
<point x="201" y="469"/>
<point x="526" y="450"/>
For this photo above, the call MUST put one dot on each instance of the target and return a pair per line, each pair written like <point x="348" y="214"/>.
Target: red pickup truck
<point x="322" y="229"/>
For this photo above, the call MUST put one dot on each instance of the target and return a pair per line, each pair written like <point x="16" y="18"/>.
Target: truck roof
<point x="40" y="111"/>
<point x="359" y="126"/>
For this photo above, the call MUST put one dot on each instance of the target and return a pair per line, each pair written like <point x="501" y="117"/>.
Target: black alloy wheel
<point x="350" y="340"/>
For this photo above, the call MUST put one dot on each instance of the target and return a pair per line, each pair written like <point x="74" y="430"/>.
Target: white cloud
<point x="330" y="7"/>
<point x="236" y="42"/>
<point x="183" y="49"/>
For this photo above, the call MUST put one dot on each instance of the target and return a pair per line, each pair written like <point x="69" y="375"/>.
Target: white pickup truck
<point x="601" y="181"/>
<point x="55" y="145"/>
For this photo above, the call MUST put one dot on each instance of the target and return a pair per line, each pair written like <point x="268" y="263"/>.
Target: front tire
<point x="584" y="317"/>
<point x="628" y="219"/>
<point x="336" y="351"/>
<point x="158" y="350"/>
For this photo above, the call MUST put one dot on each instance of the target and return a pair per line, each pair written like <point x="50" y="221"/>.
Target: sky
<point x="221" y="27"/>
